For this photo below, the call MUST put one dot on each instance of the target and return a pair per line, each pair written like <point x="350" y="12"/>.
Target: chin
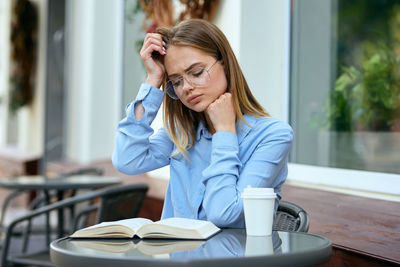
<point x="198" y="107"/>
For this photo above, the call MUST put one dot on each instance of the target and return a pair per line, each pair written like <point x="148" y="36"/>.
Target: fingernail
<point x="164" y="43"/>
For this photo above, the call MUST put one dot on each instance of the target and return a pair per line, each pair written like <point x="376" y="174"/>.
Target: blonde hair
<point x="181" y="122"/>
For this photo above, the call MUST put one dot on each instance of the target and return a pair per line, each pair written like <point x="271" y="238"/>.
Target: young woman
<point x="216" y="138"/>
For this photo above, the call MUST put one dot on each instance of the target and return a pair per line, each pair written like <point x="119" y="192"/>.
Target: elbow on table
<point x="224" y="219"/>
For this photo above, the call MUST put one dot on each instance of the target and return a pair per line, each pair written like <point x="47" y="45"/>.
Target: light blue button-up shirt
<point x="209" y="183"/>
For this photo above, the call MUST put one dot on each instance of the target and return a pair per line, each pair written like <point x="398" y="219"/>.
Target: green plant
<point x="366" y="97"/>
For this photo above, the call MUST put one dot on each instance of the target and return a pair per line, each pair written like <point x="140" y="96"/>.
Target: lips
<point x="194" y="98"/>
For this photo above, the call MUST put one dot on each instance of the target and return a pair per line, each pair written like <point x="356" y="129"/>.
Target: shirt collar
<point x="202" y="130"/>
<point x="242" y="129"/>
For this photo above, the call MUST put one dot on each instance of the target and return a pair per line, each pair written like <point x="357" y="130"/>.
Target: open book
<point x="175" y="228"/>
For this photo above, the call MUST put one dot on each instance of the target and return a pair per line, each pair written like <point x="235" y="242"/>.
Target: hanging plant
<point x="161" y="13"/>
<point x="157" y="13"/>
<point x="198" y="9"/>
<point x="24" y="21"/>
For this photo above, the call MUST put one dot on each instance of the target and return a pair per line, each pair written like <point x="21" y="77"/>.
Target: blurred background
<point x="331" y="69"/>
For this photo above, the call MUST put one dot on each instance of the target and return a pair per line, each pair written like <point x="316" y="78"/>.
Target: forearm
<point x="222" y="202"/>
<point x="259" y="164"/>
<point x="139" y="111"/>
<point x="134" y="151"/>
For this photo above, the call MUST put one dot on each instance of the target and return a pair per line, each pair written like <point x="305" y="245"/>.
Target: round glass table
<point x="229" y="247"/>
<point x="39" y="182"/>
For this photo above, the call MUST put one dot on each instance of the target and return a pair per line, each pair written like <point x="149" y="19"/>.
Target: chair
<point x="291" y="217"/>
<point x="117" y="202"/>
<point x="41" y="199"/>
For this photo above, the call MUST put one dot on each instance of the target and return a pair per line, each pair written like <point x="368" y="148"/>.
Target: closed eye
<point x="176" y="82"/>
<point x="197" y="72"/>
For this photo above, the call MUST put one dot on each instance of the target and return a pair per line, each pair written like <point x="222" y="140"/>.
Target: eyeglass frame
<point x="170" y="88"/>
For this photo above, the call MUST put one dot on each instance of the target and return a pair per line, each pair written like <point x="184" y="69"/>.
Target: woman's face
<point x="186" y="61"/>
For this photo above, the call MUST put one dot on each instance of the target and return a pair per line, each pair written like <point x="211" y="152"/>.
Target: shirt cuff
<point x="151" y="98"/>
<point x="150" y="93"/>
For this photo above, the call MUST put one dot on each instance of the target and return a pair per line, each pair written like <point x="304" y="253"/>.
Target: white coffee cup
<point x="258" y="204"/>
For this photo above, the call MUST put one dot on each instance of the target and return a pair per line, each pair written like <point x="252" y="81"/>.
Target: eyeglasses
<point x="197" y="77"/>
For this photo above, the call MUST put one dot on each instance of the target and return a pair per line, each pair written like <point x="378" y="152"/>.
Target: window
<point x="345" y="84"/>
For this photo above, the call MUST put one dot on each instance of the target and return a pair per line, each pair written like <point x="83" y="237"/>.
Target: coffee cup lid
<point x="258" y="192"/>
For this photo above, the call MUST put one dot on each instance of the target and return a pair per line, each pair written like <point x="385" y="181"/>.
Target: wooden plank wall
<point x="362" y="230"/>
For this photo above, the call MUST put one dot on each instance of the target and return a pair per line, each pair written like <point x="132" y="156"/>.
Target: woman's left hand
<point x="222" y="114"/>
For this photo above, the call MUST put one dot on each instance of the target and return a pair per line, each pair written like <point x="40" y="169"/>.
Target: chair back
<point x="117" y="202"/>
<point x="121" y="202"/>
<point x="291" y="217"/>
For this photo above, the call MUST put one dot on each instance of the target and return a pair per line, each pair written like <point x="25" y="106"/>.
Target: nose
<point x="187" y="85"/>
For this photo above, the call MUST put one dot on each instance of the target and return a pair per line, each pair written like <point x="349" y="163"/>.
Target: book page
<point x="182" y="228"/>
<point x="121" y="228"/>
<point x="133" y="223"/>
<point x="183" y="223"/>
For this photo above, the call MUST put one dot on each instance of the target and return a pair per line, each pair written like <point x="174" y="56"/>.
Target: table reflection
<point x="234" y="243"/>
<point x="227" y="243"/>
<point x="263" y="245"/>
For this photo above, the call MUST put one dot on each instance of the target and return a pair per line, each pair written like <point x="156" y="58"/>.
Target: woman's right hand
<point x="155" y="69"/>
